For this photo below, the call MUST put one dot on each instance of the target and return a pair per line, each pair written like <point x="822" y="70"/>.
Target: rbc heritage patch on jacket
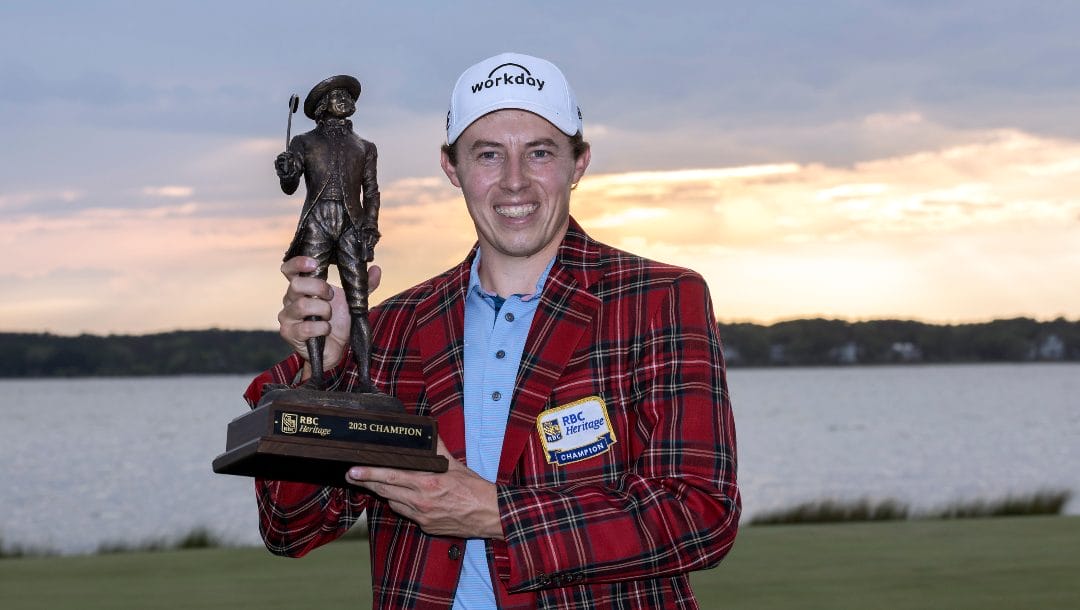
<point x="576" y="431"/>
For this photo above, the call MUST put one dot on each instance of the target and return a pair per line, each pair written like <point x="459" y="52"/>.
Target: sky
<point x="853" y="160"/>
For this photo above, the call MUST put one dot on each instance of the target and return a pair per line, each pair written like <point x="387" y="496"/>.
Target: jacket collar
<point x="565" y="312"/>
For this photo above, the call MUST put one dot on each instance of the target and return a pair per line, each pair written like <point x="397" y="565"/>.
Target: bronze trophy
<point x="309" y="434"/>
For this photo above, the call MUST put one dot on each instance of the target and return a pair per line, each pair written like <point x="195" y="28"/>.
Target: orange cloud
<point x="986" y="228"/>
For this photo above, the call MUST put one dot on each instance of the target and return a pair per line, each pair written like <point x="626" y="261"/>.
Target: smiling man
<point x="580" y="391"/>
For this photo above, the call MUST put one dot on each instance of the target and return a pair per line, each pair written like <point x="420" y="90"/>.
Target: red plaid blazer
<point x="620" y="529"/>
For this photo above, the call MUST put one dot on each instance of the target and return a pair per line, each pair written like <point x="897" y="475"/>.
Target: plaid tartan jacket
<point x="620" y="529"/>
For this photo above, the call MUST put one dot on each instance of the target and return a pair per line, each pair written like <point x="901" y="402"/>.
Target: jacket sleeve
<point x="295" y="518"/>
<point x="675" y="507"/>
<point x="371" y="187"/>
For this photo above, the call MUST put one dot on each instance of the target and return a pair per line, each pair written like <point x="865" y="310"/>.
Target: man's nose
<point x="514" y="174"/>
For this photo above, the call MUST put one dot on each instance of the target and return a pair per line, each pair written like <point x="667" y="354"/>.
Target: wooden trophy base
<point x="315" y="437"/>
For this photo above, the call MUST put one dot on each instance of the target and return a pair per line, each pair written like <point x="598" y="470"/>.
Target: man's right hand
<point x="311" y="296"/>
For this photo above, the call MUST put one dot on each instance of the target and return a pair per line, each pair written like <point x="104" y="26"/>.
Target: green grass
<point x="18" y="551"/>
<point x="996" y="563"/>
<point x="198" y="538"/>
<point x="831" y="511"/>
<point x="1047" y="502"/>
<point x="1041" y="503"/>
<point x="1028" y="562"/>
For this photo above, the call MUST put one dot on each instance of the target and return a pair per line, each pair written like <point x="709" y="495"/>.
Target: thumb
<point x="374" y="277"/>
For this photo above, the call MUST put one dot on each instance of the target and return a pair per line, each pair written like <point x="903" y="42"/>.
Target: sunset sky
<point x="856" y="160"/>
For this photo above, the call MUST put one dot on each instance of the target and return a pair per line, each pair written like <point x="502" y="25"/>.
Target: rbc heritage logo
<point x="552" y="433"/>
<point x="575" y="432"/>
<point x="288" y="423"/>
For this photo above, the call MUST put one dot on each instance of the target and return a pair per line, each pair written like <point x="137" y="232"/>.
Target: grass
<point x="992" y="563"/>
<point x="919" y="560"/>
<point x="832" y="511"/>
<point x="1048" y="502"/>
<point x="198" y="538"/>
<point x="1042" y="503"/>
<point x="18" y="551"/>
<point x="827" y="511"/>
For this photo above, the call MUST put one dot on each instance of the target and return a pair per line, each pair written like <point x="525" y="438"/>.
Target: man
<point x="339" y="220"/>
<point x="579" y="390"/>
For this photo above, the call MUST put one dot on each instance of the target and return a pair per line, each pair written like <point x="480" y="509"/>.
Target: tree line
<point x="808" y="342"/>
<point x="820" y="342"/>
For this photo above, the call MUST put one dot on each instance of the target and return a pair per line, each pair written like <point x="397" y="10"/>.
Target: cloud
<point x="986" y="225"/>
<point x="168" y="191"/>
<point x="35" y="199"/>
<point x="999" y="179"/>
<point x="971" y="230"/>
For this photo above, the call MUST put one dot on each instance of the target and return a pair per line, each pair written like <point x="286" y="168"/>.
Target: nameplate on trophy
<point x="315" y="437"/>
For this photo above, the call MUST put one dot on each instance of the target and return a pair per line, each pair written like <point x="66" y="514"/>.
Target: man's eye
<point x="540" y="154"/>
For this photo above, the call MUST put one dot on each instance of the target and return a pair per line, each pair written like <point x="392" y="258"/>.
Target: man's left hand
<point x="458" y="502"/>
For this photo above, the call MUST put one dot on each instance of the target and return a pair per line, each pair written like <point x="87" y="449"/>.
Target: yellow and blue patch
<point x="576" y="431"/>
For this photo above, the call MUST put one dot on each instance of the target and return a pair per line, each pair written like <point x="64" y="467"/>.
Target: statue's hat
<point x="341" y="81"/>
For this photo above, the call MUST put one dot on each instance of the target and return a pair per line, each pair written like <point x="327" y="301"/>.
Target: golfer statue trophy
<point x="310" y="434"/>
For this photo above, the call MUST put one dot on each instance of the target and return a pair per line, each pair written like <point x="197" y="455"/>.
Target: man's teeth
<point x="516" y="211"/>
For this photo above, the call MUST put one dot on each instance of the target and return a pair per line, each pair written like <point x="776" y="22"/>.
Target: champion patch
<point x="575" y="432"/>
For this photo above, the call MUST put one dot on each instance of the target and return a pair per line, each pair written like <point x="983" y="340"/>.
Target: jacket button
<point x="454" y="553"/>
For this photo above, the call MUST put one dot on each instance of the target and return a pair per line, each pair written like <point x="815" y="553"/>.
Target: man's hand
<point x="457" y="502"/>
<point x="311" y="296"/>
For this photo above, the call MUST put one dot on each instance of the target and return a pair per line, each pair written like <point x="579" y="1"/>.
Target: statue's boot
<point x="315" y="357"/>
<point x="360" y="340"/>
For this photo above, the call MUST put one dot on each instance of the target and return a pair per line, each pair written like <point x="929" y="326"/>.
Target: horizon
<point x="718" y="322"/>
<point x="809" y="161"/>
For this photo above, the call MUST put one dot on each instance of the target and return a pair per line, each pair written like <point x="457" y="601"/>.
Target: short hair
<point x="577" y="144"/>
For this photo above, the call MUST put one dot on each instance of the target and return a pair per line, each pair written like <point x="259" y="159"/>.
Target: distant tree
<point x="802" y="342"/>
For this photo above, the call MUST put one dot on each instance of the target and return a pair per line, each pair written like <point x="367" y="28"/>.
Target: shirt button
<point x="496" y="395"/>
<point x="454" y="553"/>
<point x="500" y="354"/>
<point x="509" y="317"/>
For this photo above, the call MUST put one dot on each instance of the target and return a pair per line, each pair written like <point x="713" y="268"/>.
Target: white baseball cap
<point x="512" y="80"/>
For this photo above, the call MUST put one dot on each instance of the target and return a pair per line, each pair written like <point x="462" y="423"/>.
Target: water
<point x="92" y="461"/>
<point x="924" y="435"/>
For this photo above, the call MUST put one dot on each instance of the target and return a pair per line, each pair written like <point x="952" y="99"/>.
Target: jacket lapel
<point x="566" y="311"/>
<point x="440" y="333"/>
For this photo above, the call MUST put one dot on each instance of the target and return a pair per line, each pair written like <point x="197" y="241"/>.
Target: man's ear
<point x="581" y="164"/>
<point x="449" y="169"/>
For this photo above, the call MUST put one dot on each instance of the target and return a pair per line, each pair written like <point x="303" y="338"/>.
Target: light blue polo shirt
<point x="495" y="334"/>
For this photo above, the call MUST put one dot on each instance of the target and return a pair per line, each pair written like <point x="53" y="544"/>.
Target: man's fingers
<point x="299" y="330"/>
<point x="300" y="308"/>
<point x="374" y="277"/>
<point x="301" y="287"/>
<point x="297" y="265"/>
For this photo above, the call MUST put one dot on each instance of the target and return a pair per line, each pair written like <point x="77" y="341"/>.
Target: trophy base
<point x="309" y="436"/>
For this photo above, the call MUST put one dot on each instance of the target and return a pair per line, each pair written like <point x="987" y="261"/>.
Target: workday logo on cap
<point x="512" y="80"/>
<point x="500" y="76"/>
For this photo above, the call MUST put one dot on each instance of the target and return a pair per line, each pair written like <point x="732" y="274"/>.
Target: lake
<point x="92" y="461"/>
